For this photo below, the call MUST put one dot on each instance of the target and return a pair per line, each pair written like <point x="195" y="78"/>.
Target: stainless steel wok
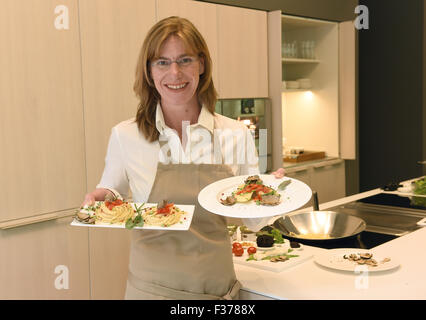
<point x="319" y="225"/>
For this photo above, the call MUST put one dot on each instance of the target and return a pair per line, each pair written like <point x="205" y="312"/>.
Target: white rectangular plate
<point x="303" y="253"/>
<point x="183" y="225"/>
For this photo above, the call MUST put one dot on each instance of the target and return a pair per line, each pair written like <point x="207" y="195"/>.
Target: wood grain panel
<point x="41" y="127"/>
<point x="243" y="52"/>
<point x="30" y="254"/>
<point x="109" y="262"/>
<point x="275" y="85"/>
<point x="347" y="96"/>
<point x="112" y="33"/>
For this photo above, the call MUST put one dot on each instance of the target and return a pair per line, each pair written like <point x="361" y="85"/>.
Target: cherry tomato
<point x="238" y="252"/>
<point x="236" y="245"/>
<point x="251" y="250"/>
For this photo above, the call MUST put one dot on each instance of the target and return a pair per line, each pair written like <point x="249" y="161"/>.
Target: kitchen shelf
<point x="296" y="90"/>
<point x="298" y="61"/>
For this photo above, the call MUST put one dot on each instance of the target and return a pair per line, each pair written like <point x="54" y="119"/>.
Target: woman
<point x="153" y="156"/>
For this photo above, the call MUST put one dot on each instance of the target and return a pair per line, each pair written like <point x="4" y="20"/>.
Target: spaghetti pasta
<point x="164" y="216"/>
<point x="114" y="212"/>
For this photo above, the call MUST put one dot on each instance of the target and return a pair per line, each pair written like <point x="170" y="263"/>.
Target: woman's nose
<point x="174" y="68"/>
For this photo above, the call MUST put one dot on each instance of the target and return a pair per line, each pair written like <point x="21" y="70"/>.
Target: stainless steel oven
<point x="256" y="115"/>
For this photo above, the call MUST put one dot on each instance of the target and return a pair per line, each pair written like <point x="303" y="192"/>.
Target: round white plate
<point x="294" y="196"/>
<point x="334" y="259"/>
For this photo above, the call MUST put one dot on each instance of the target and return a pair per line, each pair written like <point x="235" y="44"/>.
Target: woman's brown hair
<point x="144" y="85"/>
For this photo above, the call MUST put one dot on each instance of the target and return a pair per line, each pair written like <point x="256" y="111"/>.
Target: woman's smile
<point x="177" y="86"/>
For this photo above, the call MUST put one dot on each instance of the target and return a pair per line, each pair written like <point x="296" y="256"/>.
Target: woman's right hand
<point x="98" y="194"/>
<point x="89" y="199"/>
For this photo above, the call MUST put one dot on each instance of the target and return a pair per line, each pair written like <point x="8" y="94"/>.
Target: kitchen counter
<point x="308" y="280"/>
<point x="291" y="166"/>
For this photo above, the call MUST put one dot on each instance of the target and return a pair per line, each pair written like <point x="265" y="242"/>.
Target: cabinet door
<point x="304" y="175"/>
<point x="109" y="262"/>
<point x="328" y="179"/>
<point x="243" y="56"/>
<point x="347" y="90"/>
<point x="203" y="16"/>
<point x="112" y="33"/>
<point x="41" y="125"/>
<point x="47" y="260"/>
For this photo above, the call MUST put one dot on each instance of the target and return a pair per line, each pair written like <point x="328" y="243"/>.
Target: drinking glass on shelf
<point x="303" y="53"/>
<point x="285" y="50"/>
<point x="294" y="50"/>
<point x="312" y="50"/>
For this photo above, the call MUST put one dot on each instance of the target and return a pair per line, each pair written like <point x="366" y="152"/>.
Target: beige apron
<point x="192" y="265"/>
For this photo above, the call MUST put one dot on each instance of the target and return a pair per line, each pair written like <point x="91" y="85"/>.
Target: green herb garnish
<point x="138" y="220"/>
<point x="251" y="257"/>
<point x="284" y="184"/>
<point x="278" y="238"/>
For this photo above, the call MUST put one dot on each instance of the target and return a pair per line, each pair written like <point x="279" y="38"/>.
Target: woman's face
<point x="177" y="85"/>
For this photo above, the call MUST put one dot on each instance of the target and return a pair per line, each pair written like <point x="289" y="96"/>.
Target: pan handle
<point x="315" y="199"/>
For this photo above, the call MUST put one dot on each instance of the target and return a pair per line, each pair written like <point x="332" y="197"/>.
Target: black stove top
<point x="364" y="240"/>
<point x="387" y="199"/>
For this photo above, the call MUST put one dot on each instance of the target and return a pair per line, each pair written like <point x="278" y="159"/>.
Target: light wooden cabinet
<point x="41" y="127"/>
<point x="302" y="174"/>
<point x="203" y="16"/>
<point x="112" y="33"/>
<point x="48" y="260"/>
<point x="109" y="263"/>
<point x="243" y="53"/>
<point x="327" y="178"/>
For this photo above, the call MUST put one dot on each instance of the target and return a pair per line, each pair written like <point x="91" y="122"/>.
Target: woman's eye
<point x="162" y="63"/>
<point x="186" y="60"/>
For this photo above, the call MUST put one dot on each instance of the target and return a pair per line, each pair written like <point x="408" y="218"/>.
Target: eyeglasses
<point x="164" y="64"/>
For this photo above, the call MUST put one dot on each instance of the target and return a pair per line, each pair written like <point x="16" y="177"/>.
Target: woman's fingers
<point x="279" y="173"/>
<point x="89" y="200"/>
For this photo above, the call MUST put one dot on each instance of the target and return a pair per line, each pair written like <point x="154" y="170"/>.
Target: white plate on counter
<point x="182" y="225"/>
<point x="334" y="259"/>
<point x="294" y="196"/>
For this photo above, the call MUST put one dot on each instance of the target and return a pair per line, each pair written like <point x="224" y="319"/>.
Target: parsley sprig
<point x="138" y="220"/>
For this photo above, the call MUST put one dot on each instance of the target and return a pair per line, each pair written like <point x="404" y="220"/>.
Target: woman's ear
<point x="201" y="71"/>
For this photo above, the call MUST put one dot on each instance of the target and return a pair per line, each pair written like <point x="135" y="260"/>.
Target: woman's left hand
<point x="279" y="173"/>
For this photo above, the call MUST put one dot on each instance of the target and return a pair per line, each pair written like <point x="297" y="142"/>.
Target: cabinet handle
<point x="328" y="164"/>
<point x="38" y="218"/>
<point x="300" y="169"/>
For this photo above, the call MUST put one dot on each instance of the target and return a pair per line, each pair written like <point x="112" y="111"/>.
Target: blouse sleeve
<point x="114" y="176"/>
